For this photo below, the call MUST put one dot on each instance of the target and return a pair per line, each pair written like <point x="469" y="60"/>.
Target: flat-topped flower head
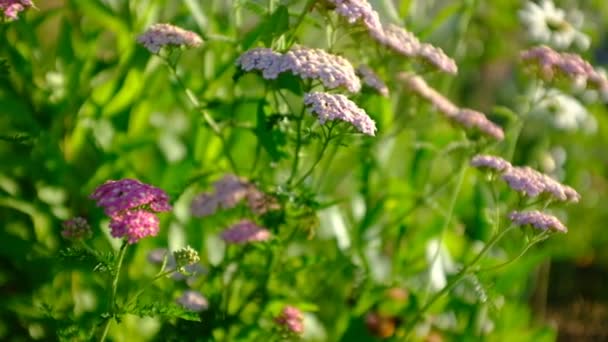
<point x="533" y="183"/>
<point x="231" y="190"/>
<point x="245" y="231"/>
<point x="125" y="194"/>
<point x="76" y="228"/>
<point x="538" y="220"/>
<point x="291" y="320"/>
<point x="372" y="80"/>
<point x="552" y="65"/>
<point x="269" y="62"/>
<point x="161" y="35"/>
<point x="484" y="161"/>
<point x="473" y="119"/>
<point x="329" y="107"/>
<point x="134" y="225"/>
<point x="358" y="11"/>
<point x="437" y="58"/>
<point x="12" y="8"/>
<point x="193" y="300"/>
<point x="332" y="70"/>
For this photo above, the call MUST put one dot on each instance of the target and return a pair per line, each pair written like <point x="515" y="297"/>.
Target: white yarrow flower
<point x="565" y="112"/>
<point x="550" y="25"/>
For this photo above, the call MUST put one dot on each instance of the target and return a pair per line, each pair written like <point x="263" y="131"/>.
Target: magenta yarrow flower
<point x="329" y="107"/>
<point x="464" y="117"/>
<point x="161" y="35"/>
<point x="538" y="220"/>
<point x="193" y="300"/>
<point x="332" y="70"/>
<point x="132" y="206"/>
<point x="372" y="80"/>
<point x="229" y="192"/>
<point x="12" y="8"/>
<point x="76" y="228"/>
<point x="291" y="319"/>
<point x="533" y="183"/>
<point x="245" y="231"/>
<point x="494" y="163"/>
<point x="552" y="64"/>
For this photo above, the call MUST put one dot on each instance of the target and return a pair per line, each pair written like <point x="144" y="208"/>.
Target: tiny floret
<point x="538" y="220"/>
<point x="193" y="300"/>
<point x="270" y="63"/>
<point x="188" y="272"/>
<point x="494" y="163"/>
<point x="76" y="228"/>
<point x="533" y="183"/>
<point x="161" y="35"/>
<point x="291" y="319"/>
<point x="329" y="107"/>
<point x="245" y="231"/>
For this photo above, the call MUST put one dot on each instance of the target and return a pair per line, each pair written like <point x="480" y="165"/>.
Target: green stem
<point x="208" y="119"/>
<point x="112" y="309"/>
<point x="158" y="276"/>
<point x="459" y="276"/>
<point x="538" y="239"/>
<point x="319" y="157"/>
<point x="294" y="29"/>
<point x="296" y="159"/>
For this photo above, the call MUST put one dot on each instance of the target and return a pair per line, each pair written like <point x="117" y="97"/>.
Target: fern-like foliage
<point x="165" y="310"/>
<point x="103" y="262"/>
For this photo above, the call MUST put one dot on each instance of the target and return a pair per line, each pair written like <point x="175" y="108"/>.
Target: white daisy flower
<point x="550" y="25"/>
<point x="565" y="112"/>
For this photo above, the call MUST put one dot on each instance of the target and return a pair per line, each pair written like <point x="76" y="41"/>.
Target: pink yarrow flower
<point x="371" y="79"/>
<point x="76" y="228"/>
<point x="538" y="220"/>
<point x="245" y="231"/>
<point x="12" y="8"/>
<point x="291" y="319"/>
<point x="495" y="163"/>
<point x="160" y="35"/>
<point x="329" y="107"/>
<point x="532" y="183"/>
<point x="132" y="206"/>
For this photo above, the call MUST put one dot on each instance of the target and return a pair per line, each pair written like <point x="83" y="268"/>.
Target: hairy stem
<point x="112" y="308"/>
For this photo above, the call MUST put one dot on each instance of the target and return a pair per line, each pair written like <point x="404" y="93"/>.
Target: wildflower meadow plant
<point x="333" y="170"/>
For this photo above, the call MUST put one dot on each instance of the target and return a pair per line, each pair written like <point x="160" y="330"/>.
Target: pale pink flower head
<point x="538" y="220"/>
<point x="76" y="228"/>
<point x="12" y="8"/>
<point x="193" y="300"/>
<point x="291" y="319"/>
<point x="329" y="107"/>
<point x="358" y="11"/>
<point x="332" y="70"/>
<point x="495" y="163"/>
<point x="473" y="119"/>
<point x="267" y="61"/>
<point x="533" y="183"/>
<point x="126" y="194"/>
<point x="418" y="86"/>
<point x="245" y="231"/>
<point x="161" y="35"/>
<point x="372" y="80"/>
<point x="229" y="192"/>
<point x="134" y="225"/>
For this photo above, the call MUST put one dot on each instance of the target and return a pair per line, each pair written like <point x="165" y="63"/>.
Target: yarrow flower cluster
<point x="552" y="64"/>
<point x="371" y="79"/>
<point x="330" y="107"/>
<point x="12" y="8"/>
<point x="334" y="71"/>
<point x="291" y="319"/>
<point x="526" y="180"/>
<point x="186" y="257"/>
<point x="229" y="192"/>
<point x="468" y="118"/>
<point x="132" y="207"/>
<point x="245" y="231"/>
<point x="538" y="220"/>
<point x="161" y="35"/>
<point x="545" y="23"/>
<point x="394" y="37"/>
<point x="76" y="228"/>
<point x="193" y="300"/>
